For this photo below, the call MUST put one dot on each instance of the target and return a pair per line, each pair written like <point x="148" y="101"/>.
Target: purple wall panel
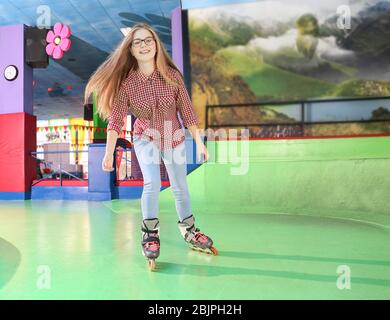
<point x="15" y="96"/>
<point x="177" y="43"/>
<point x="177" y="38"/>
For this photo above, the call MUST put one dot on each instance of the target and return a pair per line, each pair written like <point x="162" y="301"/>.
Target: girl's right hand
<point x="107" y="163"/>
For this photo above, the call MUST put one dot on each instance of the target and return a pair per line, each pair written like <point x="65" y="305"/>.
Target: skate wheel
<point x="214" y="251"/>
<point x="152" y="265"/>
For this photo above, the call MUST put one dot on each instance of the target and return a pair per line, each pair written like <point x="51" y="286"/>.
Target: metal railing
<point x="58" y="168"/>
<point x="302" y="123"/>
<point x="126" y="161"/>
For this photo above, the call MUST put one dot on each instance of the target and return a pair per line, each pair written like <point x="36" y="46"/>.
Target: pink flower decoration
<point x="58" y="41"/>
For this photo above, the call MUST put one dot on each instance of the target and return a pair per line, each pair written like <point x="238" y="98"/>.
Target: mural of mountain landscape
<point x="267" y="51"/>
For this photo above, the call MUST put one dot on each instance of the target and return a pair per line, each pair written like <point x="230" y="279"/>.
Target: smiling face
<point x="143" y="51"/>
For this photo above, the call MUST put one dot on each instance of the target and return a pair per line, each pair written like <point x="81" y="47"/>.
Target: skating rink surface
<point x="91" y="250"/>
<point x="304" y="218"/>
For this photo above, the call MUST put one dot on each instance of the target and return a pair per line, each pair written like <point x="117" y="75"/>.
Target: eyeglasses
<point x="148" y="41"/>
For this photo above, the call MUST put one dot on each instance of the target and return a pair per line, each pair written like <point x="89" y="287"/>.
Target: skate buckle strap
<point x="149" y="231"/>
<point x="151" y="239"/>
<point x="152" y="245"/>
<point x="189" y="228"/>
<point x="200" y="237"/>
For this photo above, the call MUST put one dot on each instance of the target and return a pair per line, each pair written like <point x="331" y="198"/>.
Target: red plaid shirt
<point x="156" y="104"/>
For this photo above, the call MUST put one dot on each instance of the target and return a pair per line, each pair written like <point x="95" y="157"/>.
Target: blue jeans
<point x="149" y="157"/>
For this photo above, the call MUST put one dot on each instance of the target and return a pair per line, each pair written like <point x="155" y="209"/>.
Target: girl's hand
<point x="201" y="149"/>
<point x="107" y="163"/>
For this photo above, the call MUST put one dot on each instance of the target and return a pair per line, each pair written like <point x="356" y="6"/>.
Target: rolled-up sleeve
<point x="119" y="111"/>
<point x="184" y="104"/>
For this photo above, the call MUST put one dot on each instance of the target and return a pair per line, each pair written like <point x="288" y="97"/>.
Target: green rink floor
<point x="91" y="250"/>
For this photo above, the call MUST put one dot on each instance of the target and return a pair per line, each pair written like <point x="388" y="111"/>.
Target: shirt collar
<point x="145" y="78"/>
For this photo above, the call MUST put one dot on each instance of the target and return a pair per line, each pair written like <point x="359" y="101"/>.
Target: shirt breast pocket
<point x="140" y="107"/>
<point x="166" y="103"/>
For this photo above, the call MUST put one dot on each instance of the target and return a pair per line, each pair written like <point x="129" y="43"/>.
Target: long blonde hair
<point x="106" y="80"/>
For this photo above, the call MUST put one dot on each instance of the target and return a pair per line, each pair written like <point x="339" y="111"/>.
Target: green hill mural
<point x="243" y="53"/>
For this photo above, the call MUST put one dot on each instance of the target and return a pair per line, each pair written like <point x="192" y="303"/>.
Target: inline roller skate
<point x="196" y="240"/>
<point x="151" y="241"/>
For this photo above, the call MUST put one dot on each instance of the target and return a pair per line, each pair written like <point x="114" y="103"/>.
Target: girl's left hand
<point x="201" y="149"/>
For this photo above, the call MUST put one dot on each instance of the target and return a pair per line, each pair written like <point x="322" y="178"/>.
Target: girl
<point x="140" y="77"/>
